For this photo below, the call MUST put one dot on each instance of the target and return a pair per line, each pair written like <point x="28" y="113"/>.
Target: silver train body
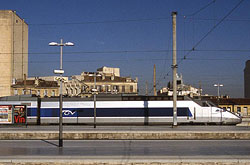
<point x="123" y="110"/>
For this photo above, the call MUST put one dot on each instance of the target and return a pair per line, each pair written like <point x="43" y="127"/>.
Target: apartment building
<point x="13" y="50"/>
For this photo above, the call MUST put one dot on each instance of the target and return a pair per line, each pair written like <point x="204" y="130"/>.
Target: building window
<point x="38" y="92"/>
<point x="15" y="92"/>
<point x="98" y="88"/>
<point x="131" y="88"/>
<point x="53" y="93"/>
<point x="238" y="109"/>
<point x="116" y="88"/>
<point x="245" y="111"/>
<point x="23" y="91"/>
<point x="45" y="93"/>
<point x="103" y="88"/>
<point x="77" y="91"/>
<point x="123" y="88"/>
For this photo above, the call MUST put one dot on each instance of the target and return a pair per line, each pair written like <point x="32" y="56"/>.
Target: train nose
<point x="234" y="119"/>
<point x="237" y="119"/>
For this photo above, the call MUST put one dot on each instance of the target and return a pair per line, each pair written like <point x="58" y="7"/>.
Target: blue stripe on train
<point x="110" y="112"/>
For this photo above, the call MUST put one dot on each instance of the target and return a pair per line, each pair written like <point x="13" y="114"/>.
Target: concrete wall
<point x="20" y="48"/>
<point x="6" y="51"/>
<point x="13" y="50"/>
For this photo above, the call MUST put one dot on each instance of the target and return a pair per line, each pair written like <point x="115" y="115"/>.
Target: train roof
<point x="115" y="97"/>
<point x="101" y="97"/>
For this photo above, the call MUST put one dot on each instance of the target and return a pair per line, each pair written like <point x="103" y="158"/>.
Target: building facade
<point x="107" y="81"/>
<point x="182" y="89"/>
<point x="247" y="80"/>
<point x="108" y="71"/>
<point x="36" y="87"/>
<point x="13" y="50"/>
<point x="235" y="105"/>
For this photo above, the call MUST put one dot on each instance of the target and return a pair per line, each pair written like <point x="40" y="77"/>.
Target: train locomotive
<point x="134" y="110"/>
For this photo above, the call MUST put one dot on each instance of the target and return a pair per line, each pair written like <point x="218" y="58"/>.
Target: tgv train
<point x="143" y="110"/>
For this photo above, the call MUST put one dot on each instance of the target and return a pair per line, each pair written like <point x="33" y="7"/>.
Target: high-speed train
<point x="141" y="110"/>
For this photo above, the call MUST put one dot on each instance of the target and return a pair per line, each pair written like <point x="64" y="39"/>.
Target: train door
<point x="206" y="112"/>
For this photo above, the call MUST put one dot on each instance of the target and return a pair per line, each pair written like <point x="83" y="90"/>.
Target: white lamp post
<point x="218" y="88"/>
<point x="95" y="92"/>
<point x="218" y="92"/>
<point x="61" y="71"/>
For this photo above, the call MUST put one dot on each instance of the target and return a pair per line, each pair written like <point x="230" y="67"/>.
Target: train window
<point x="205" y="104"/>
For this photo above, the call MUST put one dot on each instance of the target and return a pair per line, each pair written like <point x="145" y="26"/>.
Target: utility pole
<point x="174" y="66"/>
<point x="154" y="81"/>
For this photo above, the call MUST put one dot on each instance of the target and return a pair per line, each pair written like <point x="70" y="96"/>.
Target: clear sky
<point x="136" y="34"/>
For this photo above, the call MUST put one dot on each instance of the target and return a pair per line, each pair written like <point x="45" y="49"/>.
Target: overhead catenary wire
<point x="133" y="51"/>
<point x="189" y="15"/>
<point x="101" y="22"/>
<point x="202" y="8"/>
<point x="211" y="30"/>
<point x="208" y="33"/>
<point x="134" y="60"/>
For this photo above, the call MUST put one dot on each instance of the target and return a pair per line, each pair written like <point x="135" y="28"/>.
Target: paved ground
<point x="124" y="128"/>
<point x="121" y="148"/>
<point x="125" y="151"/>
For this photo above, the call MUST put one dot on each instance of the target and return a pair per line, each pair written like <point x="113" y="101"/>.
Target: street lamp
<point x="95" y="92"/>
<point x="218" y="92"/>
<point x="61" y="71"/>
<point x="218" y="88"/>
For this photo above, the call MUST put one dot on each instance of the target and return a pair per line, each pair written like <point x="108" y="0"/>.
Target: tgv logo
<point x="68" y="112"/>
